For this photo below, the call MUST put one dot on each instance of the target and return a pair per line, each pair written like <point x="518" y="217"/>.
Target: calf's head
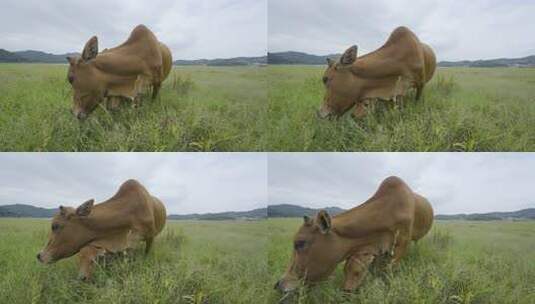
<point x="69" y="233"/>
<point x="88" y="89"/>
<point x="341" y="85"/>
<point x="315" y="253"/>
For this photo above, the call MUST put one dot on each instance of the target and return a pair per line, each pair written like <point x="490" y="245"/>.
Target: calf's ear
<point x="62" y="211"/>
<point x="323" y="220"/>
<point x="349" y="56"/>
<point x="90" y="49"/>
<point x="85" y="208"/>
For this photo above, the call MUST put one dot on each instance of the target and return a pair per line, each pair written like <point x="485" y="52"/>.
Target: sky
<point x="456" y="30"/>
<point x="185" y="182"/>
<point x="192" y="29"/>
<point x="452" y="182"/>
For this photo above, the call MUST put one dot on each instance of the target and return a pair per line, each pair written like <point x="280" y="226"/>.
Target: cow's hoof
<point x="84" y="278"/>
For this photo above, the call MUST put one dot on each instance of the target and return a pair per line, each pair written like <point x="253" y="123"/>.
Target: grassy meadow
<point x="199" y="109"/>
<point x="458" y="262"/>
<point x="193" y="262"/>
<point x="463" y="109"/>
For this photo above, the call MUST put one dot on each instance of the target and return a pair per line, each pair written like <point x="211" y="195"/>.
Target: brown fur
<point x="382" y="226"/>
<point x="119" y="73"/>
<point x="112" y="226"/>
<point x="388" y="73"/>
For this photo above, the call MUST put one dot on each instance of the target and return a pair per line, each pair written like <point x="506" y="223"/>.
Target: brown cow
<point x="387" y="73"/>
<point x="118" y="73"/>
<point x="383" y="226"/>
<point x="113" y="226"/>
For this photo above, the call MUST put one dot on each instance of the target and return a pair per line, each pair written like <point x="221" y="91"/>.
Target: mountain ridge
<point x="33" y="56"/>
<point x="272" y="211"/>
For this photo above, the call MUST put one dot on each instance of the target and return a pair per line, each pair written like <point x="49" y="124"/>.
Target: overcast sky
<point x="191" y="28"/>
<point x="477" y="29"/>
<point x="452" y="182"/>
<point x="185" y="182"/>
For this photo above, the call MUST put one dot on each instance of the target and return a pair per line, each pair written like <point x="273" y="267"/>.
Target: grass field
<point x="193" y="262"/>
<point x="464" y="109"/>
<point x="200" y="109"/>
<point x="459" y="262"/>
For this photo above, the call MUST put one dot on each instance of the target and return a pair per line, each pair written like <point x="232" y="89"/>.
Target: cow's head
<point x="314" y="253"/>
<point x="341" y="85"/>
<point x="88" y="89"/>
<point x="69" y="233"/>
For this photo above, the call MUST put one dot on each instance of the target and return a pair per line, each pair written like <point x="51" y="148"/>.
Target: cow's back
<point x="160" y="214"/>
<point x="139" y="54"/>
<point x="167" y="60"/>
<point x="430" y="61"/>
<point x="389" y="209"/>
<point x="423" y="217"/>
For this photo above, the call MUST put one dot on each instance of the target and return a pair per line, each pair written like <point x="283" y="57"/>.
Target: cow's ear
<point x="85" y="208"/>
<point x="330" y="62"/>
<point x="71" y="60"/>
<point x="349" y="56"/>
<point x="62" y="211"/>
<point x="323" y="220"/>
<point x="90" y="49"/>
<point x="307" y="221"/>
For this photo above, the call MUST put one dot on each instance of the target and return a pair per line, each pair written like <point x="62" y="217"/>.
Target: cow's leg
<point x="399" y="250"/>
<point x="87" y="258"/>
<point x="355" y="270"/>
<point x="359" y="111"/>
<point x="148" y="244"/>
<point x="155" y="90"/>
<point x="419" y="90"/>
<point x="114" y="102"/>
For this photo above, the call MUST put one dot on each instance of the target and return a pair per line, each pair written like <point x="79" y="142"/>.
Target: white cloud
<point x="191" y="28"/>
<point x="479" y="29"/>
<point x="186" y="182"/>
<point x="454" y="183"/>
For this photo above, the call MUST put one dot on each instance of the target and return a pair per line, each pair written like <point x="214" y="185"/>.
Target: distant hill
<point x="283" y="210"/>
<point x="501" y="62"/>
<point x="230" y="215"/>
<point x="287" y="210"/>
<point x="6" y="56"/>
<point x="22" y="210"/>
<point x="42" y="57"/>
<point x="520" y="214"/>
<point x="292" y="57"/>
<point x="224" y="62"/>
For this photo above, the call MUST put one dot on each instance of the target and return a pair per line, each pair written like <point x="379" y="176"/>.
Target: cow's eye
<point x="325" y="79"/>
<point x="298" y="245"/>
<point x="55" y="227"/>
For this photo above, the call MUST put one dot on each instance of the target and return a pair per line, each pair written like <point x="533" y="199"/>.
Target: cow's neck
<point x="373" y="243"/>
<point x="113" y="78"/>
<point x="106" y="217"/>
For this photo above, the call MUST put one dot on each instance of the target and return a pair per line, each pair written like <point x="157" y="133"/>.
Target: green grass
<point x="464" y="109"/>
<point x="192" y="262"/>
<point x="458" y="262"/>
<point x="199" y="109"/>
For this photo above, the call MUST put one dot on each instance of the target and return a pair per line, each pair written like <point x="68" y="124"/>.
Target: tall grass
<point x="458" y="262"/>
<point x="191" y="263"/>
<point x="199" y="109"/>
<point x="461" y="110"/>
